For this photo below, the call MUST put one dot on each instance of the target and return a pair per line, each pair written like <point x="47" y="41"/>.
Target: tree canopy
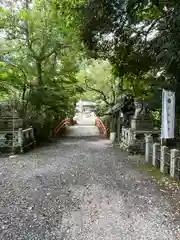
<point x="141" y="41"/>
<point x="39" y="57"/>
<point x="52" y="52"/>
<point x="138" y="37"/>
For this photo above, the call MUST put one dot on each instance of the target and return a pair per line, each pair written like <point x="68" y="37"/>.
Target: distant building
<point x="85" y="106"/>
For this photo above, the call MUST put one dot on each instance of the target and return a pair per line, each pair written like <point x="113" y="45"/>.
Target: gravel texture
<point x="81" y="188"/>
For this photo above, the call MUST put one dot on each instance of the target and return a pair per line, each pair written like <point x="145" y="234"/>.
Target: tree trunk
<point x="39" y="72"/>
<point x="24" y="106"/>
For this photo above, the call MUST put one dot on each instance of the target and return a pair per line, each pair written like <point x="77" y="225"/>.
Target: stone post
<point x="130" y="135"/>
<point x="148" y="148"/>
<point x="20" y="139"/>
<point x="174" y="155"/>
<point x="122" y="132"/>
<point x="164" y="158"/>
<point x="32" y="133"/>
<point x="156" y="147"/>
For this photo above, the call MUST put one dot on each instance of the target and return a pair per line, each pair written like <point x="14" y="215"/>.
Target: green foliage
<point x="140" y="38"/>
<point x="40" y="56"/>
<point x="98" y="81"/>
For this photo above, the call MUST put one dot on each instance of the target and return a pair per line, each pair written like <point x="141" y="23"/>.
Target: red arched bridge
<point x="85" y="127"/>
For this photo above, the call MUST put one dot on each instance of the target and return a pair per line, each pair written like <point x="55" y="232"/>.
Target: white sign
<point x="168" y="114"/>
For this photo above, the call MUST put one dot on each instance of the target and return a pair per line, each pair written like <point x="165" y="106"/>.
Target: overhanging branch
<point x="98" y="91"/>
<point x="54" y="50"/>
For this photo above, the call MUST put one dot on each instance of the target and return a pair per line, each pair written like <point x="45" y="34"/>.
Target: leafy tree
<point x="140" y="39"/>
<point x="40" y="56"/>
<point x="123" y="39"/>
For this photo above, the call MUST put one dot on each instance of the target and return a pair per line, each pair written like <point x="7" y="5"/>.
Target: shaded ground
<point x="81" y="188"/>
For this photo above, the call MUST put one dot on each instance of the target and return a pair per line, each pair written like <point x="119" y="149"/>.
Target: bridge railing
<point x="61" y="125"/>
<point x="102" y="128"/>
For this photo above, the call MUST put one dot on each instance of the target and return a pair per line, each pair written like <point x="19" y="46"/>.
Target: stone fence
<point x="17" y="140"/>
<point x="161" y="157"/>
<point x="136" y="138"/>
<point x="126" y="135"/>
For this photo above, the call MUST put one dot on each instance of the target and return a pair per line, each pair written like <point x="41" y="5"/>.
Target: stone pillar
<point x="148" y="148"/>
<point x="112" y="137"/>
<point x="20" y="139"/>
<point x="174" y="155"/>
<point x="122" y="133"/>
<point x="156" y="148"/>
<point x="32" y="133"/>
<point x="33" y="137"/>
<point x="164" y="158"/>
<point x="130" y="136"/>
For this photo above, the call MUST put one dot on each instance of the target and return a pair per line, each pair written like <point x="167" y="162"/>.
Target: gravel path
<point x="81" y="188"/>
